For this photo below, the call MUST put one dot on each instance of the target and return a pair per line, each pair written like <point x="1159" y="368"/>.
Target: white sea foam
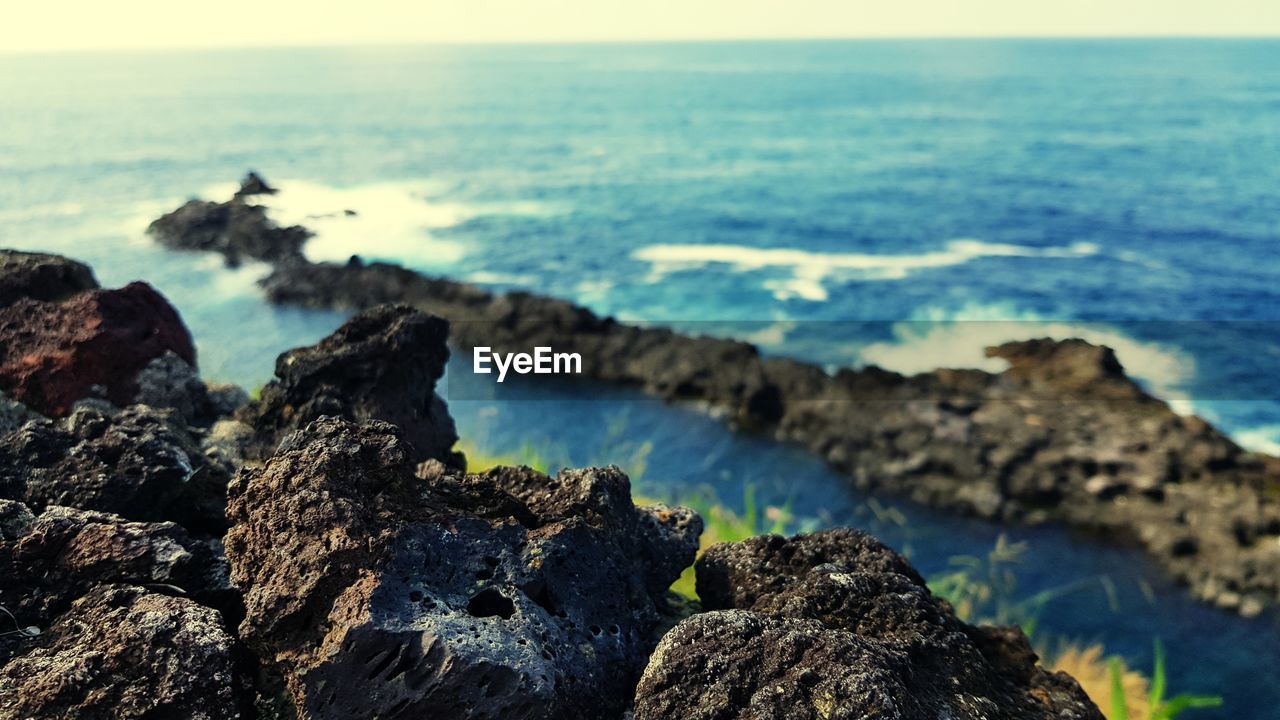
<point x="939" y="337"/>
<point x="1264" y="439"/>
<point x="385" y="221"/>
<point x="39" y="212"/>
<point x="391" y="221"/>
<point x="810" y="271"/>
<point x="485" y="277"/>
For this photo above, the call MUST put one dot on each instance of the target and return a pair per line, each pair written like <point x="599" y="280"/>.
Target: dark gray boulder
<point x="383" y="590"/>
<point x="382" y="364"/>
<point x="836" y="625"/>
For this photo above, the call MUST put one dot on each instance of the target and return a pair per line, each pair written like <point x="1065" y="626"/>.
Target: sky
<point x="58" y="25"/>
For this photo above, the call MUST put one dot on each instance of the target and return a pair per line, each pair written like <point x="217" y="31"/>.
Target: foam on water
<point x="956" y="338"/>
<point x="810" y="271"/>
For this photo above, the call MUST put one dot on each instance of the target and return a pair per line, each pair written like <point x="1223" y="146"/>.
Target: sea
<point x="894" y="203"/>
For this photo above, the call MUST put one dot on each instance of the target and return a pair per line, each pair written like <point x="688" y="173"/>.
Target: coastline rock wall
<point x="1062" y="435"/>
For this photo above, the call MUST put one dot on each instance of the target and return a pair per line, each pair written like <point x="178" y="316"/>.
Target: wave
<point x="390" y="221"/>
<point x="810" y="271"/>
<point x="956" y="338"/>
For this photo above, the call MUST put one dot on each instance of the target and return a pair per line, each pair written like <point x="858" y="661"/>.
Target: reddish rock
<point x="53" y="354"/>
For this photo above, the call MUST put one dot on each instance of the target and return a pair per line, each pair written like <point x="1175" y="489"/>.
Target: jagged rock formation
<point x="1062" y="435"/>
<point x="382" y="364"/>
<point x="137" y="463"/>
<point x="55" y="353"/>
<point x="112" y="634"/>
<point x="381" y="591"/>
<point x="124" y="652"/>
<point x="171" y="382"/>
<point x="47" y="278"/>
<point x="835" y="625"/>
<point x="238" y="230"/>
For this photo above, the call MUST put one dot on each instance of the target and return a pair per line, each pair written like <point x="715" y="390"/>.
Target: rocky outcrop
<point x="52" y="558"/>
<point x="1062" y="435"/>
<point x="125" y="652"/>
<point x="238" y="230"/>
<point x="171" y="382"/>
<point x="55" y="353"/>
<point x="835" y="625"/>
<point x="36" y="276"/>
<point x="137" y="463"/>
<point x="382" y="364"/>
<point x="378" y="589"/>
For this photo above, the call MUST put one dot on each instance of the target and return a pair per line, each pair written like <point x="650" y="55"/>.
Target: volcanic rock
<point x="381" y="590"/>
<point x="171" y="382"/>
<point x="836" y="625"/>
<point x="382" y="364"/>
<point x="137" y="463"/>
<point x="237" y="229"/>
<point x="253" y="184"/>
<point x="37" y="276"/>
<point x="125" y="652"/>
<point x="53" y="558"/>
<point x="55" y="353"/>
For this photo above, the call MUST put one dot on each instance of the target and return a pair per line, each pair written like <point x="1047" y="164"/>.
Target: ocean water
<point x="899" y="203"/>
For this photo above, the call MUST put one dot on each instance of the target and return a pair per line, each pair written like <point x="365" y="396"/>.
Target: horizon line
<point x="322" y="45"/>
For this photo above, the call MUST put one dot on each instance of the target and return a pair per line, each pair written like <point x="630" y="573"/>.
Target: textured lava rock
<point x="125" y="652"/>
<point x="137" y="463"/>
<point x="382" y="364"/>
<point x="381" y="590"/>
<point x="50" y="559"/>
<point x="37" y="276"/>
<point x="237" y="229"/>
<point x="55" y="353"/>
<point x="835" y="625"/>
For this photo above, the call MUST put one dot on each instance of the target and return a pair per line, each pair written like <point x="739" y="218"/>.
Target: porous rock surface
<point x="1062" y="435"/>
<point x="95" y="342"/>
<point x="836" y="625"/>
<point x="51" y="558"/>
<point x="384" y="588"/>
<point x="38" y="276"/>
<point x="124" y="652"/>
<point x="136" y="462"/>
<point x="118" y="630"/>
<point x="382" y="364"/>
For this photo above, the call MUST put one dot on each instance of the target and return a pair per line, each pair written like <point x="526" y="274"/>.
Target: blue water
<point x="1123" y="190"/>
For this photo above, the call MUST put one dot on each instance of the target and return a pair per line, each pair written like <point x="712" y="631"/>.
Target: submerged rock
<point x="382" y="364"/>
<point x="836" y="625"/>
<point x="55" y="353"/>
<point x="37" y="276"/>
<point x="125" y="652"/>
<point x="381" y="591"/>
<point x="137" y="463"/>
